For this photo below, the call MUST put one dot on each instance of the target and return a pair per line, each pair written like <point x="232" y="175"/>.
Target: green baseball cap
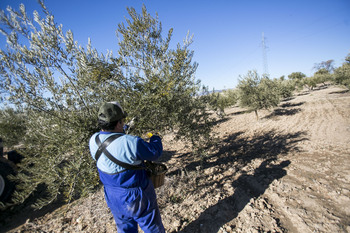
<point x="111" y="112"/>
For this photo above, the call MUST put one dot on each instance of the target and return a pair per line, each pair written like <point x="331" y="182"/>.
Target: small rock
<point x="176" y="224"/>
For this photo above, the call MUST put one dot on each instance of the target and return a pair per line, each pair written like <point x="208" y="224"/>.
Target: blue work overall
<point x="129" y="194"/>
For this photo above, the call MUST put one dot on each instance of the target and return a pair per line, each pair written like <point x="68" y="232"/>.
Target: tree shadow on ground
<point x="288" y="99"/>
<point x="235" y="148"/>
<point x="219" y="121"/>
<point x="283" y="112"/>
<point x="339" y="92"/>
<point x="237" y="151"/>
<point x="246" y="187"/>
<point x="286" y="109"/>
<point x="167" y="155"/>
<point x="291" y="105"/>
<point x="239" y="113"/>
<point x="17" y="215"/>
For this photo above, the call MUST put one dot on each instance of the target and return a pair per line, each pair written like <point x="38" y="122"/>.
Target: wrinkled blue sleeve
<point x="150" y="151"/>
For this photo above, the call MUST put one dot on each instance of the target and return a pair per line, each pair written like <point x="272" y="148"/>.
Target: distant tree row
<point x="257" y="92"/>
<point x="325" y="73"/>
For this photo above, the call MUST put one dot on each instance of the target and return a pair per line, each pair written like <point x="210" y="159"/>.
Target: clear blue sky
<point x="227" y="33"/>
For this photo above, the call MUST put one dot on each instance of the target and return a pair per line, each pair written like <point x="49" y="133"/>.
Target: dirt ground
<point x="287" y="172"/>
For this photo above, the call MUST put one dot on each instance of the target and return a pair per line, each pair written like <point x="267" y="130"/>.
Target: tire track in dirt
<point x="318" y="111"/>
<point x="316" y="188"/>
<point x="312" y="196"/>
<point x="312" y="200"/>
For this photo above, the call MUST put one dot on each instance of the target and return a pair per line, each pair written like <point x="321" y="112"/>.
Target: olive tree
<point x="322" y="76"/>
<point x="310" y="82"/>
<point x="342" y="73"/>
<point x="285" y="87"/>
<point x="298" y="78"/>
<point x="257" y="92"/>
<point x="42" y="73"/>
<point x="224" y="99"/>
<point x="59" y="86"/>
<point x="162" y="93"/>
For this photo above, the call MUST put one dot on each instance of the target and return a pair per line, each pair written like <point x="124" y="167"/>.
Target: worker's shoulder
<point x="128" y="137"/>
<point x="93" y="137"/>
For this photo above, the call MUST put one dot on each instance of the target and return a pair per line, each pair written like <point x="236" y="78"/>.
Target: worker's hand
<point x="149" y="135"/>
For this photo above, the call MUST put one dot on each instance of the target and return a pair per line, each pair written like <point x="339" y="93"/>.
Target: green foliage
<point x="347" y="59"/>
<point x="310" y="82"/>
<point x="12" y="127"/>
<point x="42" y="71"/>
<point x="322" y="76"/>
<point x="224" y="99"/>
<point x="60" y="85"/>
<point x="342" y="74"/>
<point x="229" y="97"/>
<point x="285" y="87"/>
<point x="258" y="92"/>
<point x="297" y="77"/>
<point x="162" y="91"/>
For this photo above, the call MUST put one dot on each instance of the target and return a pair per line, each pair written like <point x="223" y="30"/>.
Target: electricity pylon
<point x="266" y="70"/>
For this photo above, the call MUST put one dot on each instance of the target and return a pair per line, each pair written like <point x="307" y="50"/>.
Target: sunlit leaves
<point x="59" y="85"/>
<point x="258" y="92"/>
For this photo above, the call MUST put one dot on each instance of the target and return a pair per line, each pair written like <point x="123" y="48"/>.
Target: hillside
<point x="287" y="172"/>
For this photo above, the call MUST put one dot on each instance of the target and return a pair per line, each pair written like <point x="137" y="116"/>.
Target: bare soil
<point x="287" y="172"/>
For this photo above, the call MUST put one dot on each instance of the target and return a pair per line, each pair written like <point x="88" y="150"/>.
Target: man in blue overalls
<point x="129" y="193"/>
